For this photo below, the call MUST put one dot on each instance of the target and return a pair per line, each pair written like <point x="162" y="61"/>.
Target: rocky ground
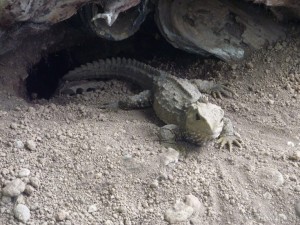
<point x="66" y="161"/>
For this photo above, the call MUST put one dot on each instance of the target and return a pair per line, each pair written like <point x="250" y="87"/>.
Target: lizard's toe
<point x="220" y="90"/>
<point x="229" y="141"/>
<point x="238" y="142"/>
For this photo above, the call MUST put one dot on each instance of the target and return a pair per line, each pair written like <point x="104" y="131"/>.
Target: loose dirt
<point x="86" y="165"/>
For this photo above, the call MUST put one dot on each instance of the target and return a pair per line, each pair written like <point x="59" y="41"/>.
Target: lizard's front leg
<point x="212" y="88"/>
<point x="169" y="133"/>
<point x="228" y="137"/>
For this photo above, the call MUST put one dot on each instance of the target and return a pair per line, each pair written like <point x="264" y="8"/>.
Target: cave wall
<point x="283" y="9"/>
<point x="53" y="11"/>
<point x="37" y="11"/>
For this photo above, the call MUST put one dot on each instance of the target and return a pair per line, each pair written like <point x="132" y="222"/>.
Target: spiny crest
<point x="180" y="84"/>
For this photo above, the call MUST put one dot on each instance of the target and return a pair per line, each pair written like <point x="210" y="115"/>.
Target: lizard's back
<point x="171" y="96"/>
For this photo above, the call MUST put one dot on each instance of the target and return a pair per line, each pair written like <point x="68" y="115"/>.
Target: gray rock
<point x="180" y="212"/>
<point x="2" y="210"/>
<point x="108" y="222"/>
<point x="194" y="202"/>
<point x="92" y="208"/>
<point x="22" y="213"/>
<point x="30" y="145"/>
<point x="154" y="184"/>
<point x="167" y="134"/>
<point x="35" y="182"/>
<point x="5" y="171"/>
<point x="270" y="177"/>
<point x="14" y="188"/>
<point x="14" y="126"/>
<point x="295" y="156"/>
<point x="297" y="208"/>
<point x="19" y="144"/>
<point x="29" y="190"/>
<point x="20" y="200"/>
<point x="6" y="199"/>
<point x="282" y="216"/>
<point x="23" y="172"/>
<point x="170" y="156"/>
<point x="61" y="215"/>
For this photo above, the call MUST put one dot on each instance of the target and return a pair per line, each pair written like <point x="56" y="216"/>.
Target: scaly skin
<point x="177" y="102"/>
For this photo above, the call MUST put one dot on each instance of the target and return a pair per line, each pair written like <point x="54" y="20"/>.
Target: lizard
<point x="179" y="103"/>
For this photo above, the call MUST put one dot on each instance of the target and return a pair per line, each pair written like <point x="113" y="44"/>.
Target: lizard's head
<point x="204" y="122"/>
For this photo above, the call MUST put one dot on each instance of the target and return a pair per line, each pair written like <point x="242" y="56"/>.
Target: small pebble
<point x="271" y="177"/>
<point x="92" y="208"/>
<point x="23" y="172"/>
<point x="278" y="46"/>
<point x="293" y="177"/>
<point x="14" y="188"/>
<point x="20" y="199"/>
<point x="121" y="209"/>
<point x="267" y="195"/>
<point x="295" y="156"/>
<point x="297" y="188"/>
<point x="31" y="109"/>
<point x="154" y="184"/>
<point x="249" y="65"/>
<point x="6" y="199"/>
<point x="35" y="182"/>
<point x="30" y="145"/>
<point x="180" y="212"/>
<point x="194" y="202"/>
<point x="19" y="144"/>
<point x="234" y="66"/>
<point x="68" y="222"/>
<point x="22" y="213"/>
<point x="108" y="222"/>
<point x="61" y="215"/>
<point x="5" y="171"/>
<point x="29" y="190"/>
<point x="282" y="216"/>
<point x="297" y="208"/>
<point x="14" y="126"/>
<point x="170" y="156"/>
<point x="290" y="143"/>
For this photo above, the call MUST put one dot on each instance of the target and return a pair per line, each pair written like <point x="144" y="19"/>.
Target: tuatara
<point x="177" y="102"/>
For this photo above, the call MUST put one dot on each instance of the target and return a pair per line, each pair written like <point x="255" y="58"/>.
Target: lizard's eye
<point x="198" y="117"/>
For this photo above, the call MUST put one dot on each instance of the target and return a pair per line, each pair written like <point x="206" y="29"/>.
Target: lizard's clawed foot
<point x="168" y="133"/>
<point x="220" y="90"/>
<point x="229" y="141"/>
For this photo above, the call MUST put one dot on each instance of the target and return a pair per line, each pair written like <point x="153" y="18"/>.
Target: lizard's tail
<point x="128" y="69"/>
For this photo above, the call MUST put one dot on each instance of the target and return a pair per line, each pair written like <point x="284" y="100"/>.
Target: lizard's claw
<point x="218" y="90"/>
<point x="229" y="141"/>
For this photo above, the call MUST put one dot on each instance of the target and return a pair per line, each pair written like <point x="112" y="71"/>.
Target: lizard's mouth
<point x="215" y="135"/>
<point x="201" y="138"/>
<point x="217" y="132"/>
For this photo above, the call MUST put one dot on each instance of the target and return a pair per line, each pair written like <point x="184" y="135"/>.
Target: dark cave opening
<point x="146" y="44"/>
<point x="44" y="77"/>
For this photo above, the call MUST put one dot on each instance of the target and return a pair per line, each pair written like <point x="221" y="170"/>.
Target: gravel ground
<point x="66" y="161"/>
